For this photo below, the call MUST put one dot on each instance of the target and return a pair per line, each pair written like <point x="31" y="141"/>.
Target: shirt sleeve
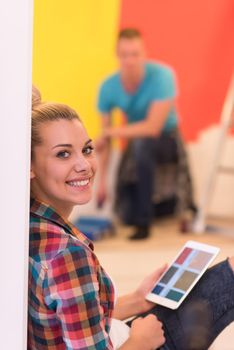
<point x="164" y="86"/>
<point x="104" y="99"/>
<point x="71" y="289"/>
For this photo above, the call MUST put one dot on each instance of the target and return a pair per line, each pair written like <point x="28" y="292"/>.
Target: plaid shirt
<point x="71" y="298"/>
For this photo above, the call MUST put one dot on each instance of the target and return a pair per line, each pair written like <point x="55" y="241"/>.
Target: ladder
<point x="227" y="119"/>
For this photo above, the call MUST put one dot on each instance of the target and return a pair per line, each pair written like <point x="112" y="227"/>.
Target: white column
<point x="16" y="19"/>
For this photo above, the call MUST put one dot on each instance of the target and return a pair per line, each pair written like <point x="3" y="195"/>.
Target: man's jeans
<point x="147" y="153"/>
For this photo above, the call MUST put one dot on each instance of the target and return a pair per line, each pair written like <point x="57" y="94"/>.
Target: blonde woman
<point x="71" y="297"/>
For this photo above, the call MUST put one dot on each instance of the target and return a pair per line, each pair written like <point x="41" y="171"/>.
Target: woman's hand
<point x="145" y="334"/>
<point x="135" y="303"/>
<point x="145" y="287"/>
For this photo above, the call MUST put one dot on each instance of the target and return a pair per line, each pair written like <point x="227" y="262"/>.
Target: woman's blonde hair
<point x="44" y="112"/>
<point x="36" y="96"/>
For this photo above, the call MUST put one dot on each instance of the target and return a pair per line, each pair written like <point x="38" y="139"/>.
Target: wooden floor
<point x="129" y="262"/>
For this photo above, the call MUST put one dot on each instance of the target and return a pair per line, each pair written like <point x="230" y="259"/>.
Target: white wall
<point x="15" y="91"/>
<point x="201" y="155"/>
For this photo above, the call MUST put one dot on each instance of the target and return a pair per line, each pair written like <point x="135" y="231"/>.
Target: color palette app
<point x="181" y="275"/>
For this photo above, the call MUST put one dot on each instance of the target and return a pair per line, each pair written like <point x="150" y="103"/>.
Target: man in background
<point x="145" y="92"/>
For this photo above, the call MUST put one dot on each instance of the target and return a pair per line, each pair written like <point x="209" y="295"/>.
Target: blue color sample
<point x="157" y="290"/>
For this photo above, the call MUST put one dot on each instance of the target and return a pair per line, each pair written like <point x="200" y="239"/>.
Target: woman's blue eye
<point x="88" y="150"/>
<point x="63" y="154"/>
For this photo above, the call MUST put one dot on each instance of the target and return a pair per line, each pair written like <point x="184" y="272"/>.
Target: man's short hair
<point x="129" y="33"/>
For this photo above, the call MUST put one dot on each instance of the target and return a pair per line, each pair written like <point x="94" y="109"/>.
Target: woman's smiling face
<point x="63" y="165"/>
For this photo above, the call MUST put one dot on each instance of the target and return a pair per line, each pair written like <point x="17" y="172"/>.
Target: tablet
<point x="182" y="275"/>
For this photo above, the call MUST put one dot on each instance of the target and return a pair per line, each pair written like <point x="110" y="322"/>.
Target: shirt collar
<point x="43" y="210"/>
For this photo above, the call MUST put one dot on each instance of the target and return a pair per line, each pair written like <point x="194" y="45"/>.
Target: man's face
<point x="131" y="55"/>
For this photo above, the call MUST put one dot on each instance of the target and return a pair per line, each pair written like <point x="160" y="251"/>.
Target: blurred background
<point x="74" y="50"/>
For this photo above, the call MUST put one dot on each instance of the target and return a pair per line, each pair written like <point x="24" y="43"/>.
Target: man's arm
<point x="103" y="147"/>
<point x="151" y="126"/>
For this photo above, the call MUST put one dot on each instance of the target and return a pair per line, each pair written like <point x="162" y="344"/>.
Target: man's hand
<point x="101" y="146"/>
<point x="101" y="143"/>
<point x="101" y="194"/>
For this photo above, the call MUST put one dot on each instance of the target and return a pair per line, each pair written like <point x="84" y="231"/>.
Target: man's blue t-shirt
<point x="158" y="84"/>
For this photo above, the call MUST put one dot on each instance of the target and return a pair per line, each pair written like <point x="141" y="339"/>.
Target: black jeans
<point x="214" y="293"/>
<point x="147" y="153"/>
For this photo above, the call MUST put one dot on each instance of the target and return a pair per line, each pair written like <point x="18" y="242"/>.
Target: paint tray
<point x="94" y="227"/>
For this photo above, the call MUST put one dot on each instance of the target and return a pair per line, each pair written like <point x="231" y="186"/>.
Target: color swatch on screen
<point x="181" y="275"/>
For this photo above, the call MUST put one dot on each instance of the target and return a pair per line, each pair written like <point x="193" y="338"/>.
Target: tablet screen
<point x="182" y="273"/>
